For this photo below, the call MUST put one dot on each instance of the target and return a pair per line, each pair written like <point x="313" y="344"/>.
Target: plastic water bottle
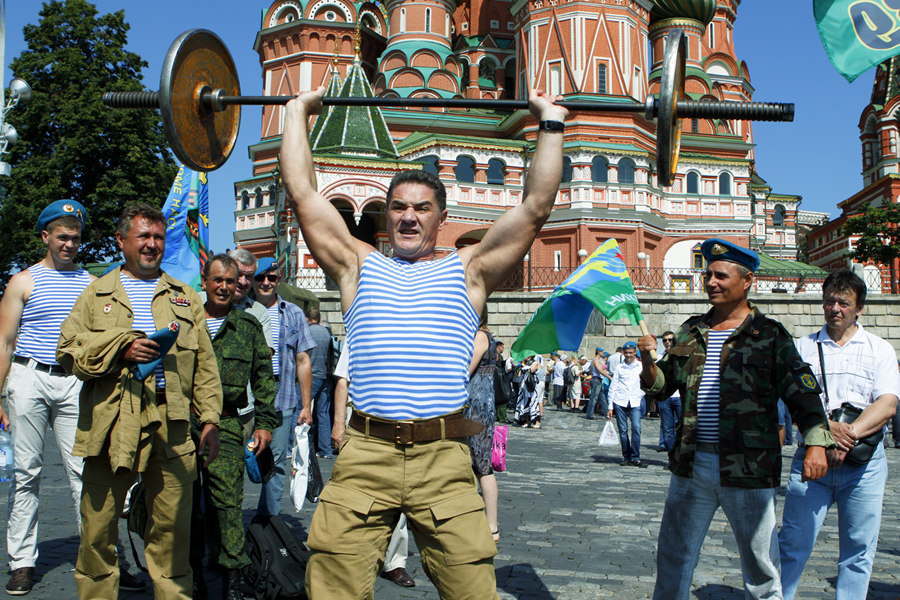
<point x="7" y="462"/>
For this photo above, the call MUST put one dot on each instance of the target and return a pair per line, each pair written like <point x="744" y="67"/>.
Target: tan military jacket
<point x="91" y="344"/>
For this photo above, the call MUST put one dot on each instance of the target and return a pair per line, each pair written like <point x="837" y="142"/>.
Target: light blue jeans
<point x="690" y="507"/>
<point x="669" y="413"/>
<point x="858" y="493"/>
<point x="272" y="491"/>
<point x="630" y="450"/>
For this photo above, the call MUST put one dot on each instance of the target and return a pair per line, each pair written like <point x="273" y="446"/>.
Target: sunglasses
<point x="668" y="339"/>
<point x="270" y="277"/>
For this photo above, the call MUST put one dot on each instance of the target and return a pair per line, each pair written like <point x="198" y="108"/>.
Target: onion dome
<point x="697" y="10"/>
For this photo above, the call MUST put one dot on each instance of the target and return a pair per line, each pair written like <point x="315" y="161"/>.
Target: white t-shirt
<point x="861" y="371"/>
<point x="559" y="367"/>
<point x="625" y="389"/>
<point x="342" y="368"/>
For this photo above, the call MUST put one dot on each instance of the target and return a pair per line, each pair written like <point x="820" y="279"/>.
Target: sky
<point x="817" y="156"/>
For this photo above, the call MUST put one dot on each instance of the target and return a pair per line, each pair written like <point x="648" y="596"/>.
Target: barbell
<point x="199" y="98"/>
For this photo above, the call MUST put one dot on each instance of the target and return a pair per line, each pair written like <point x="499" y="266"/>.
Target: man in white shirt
<point x="858" y="368"/>
<point x="614" y="361"/>
<point x="625" y="397"/>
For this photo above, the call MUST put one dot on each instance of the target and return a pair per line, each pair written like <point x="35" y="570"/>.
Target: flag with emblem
<point x="858" y="35"/>
<point x="600" y="282"/>
<point x="187" y="227"/>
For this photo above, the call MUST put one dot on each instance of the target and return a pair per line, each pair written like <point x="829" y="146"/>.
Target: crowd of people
<point x="138" y="375"/>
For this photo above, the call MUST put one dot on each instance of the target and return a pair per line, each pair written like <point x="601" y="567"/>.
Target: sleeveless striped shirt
<point x="411" y="331"/>
<point x="49" y="304"/>
<point x="708" y="392"/>
<point x="140" y="295"/>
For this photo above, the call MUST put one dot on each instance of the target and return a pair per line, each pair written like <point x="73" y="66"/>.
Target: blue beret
<point x="554" y="354"/>
<point x="264" y="265"/>
<point x="628" y="345"/>
<point x="716" y="249"/>
<point x="599" y="349"/>
<point x="59" y="209"/>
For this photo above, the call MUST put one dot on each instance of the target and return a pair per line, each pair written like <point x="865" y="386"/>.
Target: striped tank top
<point x="140" y="295"/>
<point x="411" y="331"/>
<point x="708" y="392"/>
<point x="49" y="304"/>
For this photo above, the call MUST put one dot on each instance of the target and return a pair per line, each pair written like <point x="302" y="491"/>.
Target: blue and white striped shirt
<point x="275" y="317"/>
<point x="214" y="325"/>
<point x="411" y="332"/>
<point x="50" y="302"/>
<point x="708" y="393"/>
<point x="140" y="295"/>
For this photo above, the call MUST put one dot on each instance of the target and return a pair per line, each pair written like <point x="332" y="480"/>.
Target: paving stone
<point x="575" y="525"/>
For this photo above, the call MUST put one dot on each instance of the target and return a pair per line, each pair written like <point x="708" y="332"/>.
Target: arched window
<point x="599" y="170"/>
<point x="486" y="73"/>
<point x="778" y="216"/>
<point x="693" y="183"/>
<point x="245" y="200"/>
<point x="697" y="259"/>
<point x="427" y="20"/>
<point x="259" y="197"/>
<point x="273" y="199"/>
<point x="567" y="170"/>
<point x="431" y="165"/>
<point x="724" y="184"/>
<point x="447" y="25"/>
<point x="626" y="171"/>
<point x="465" y="170"/>
<point x="402" y="20"/>
<point x="496" y="173"/>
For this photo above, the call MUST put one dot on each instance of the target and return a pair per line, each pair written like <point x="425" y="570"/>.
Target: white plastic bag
<point x="300" y="465"/>
<point x="609" y="437"/>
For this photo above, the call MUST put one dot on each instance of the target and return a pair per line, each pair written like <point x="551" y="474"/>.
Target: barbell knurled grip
<point x="742" y="111"/>
<point x="131" y="99"/>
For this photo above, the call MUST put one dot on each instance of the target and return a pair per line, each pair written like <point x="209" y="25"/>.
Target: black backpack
<point x="277" y="569"/>
<point x="568" y="376"/>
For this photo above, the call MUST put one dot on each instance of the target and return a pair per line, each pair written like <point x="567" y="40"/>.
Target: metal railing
<point x="644" y="279"/>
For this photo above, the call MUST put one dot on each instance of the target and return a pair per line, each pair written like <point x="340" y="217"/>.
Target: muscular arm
<point x="11" y="308"/>
<point x="304" y="378"/>
<point x="508" y="240"/>
<point x="324" y="231"/>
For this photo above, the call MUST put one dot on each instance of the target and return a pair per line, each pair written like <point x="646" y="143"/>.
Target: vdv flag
<point x="858" y="35"/>
<point x="187" y="227"/>
<point x="600" y="282"/>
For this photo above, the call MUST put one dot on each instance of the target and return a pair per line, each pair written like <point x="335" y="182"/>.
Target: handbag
<point x="865" y="447"/>
<point x="498" y="452"/>
<point x="609" y="437"/>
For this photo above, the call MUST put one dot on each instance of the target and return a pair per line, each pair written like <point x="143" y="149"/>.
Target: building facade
<point x="584" y="50"/>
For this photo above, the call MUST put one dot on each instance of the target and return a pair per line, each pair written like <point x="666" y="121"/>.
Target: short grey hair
<point x="244" y="257"/>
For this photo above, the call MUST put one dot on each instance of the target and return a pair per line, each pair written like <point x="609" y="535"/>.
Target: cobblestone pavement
<point x="575" y="525"/>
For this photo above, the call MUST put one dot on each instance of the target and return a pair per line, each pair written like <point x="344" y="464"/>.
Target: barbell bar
<point x="200" y="102"/>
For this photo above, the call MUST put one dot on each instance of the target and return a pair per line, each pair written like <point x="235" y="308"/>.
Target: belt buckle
<point x="400" y="428"/>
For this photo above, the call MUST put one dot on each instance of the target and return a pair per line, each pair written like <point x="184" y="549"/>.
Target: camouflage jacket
<point x="243" y="357"/>
<point x="759" y="363"/>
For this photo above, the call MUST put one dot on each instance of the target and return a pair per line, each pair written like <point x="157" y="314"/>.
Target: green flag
<point x="858" y="35"/>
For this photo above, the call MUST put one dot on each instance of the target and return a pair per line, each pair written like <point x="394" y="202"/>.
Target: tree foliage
<point x="70" y="145"/>
<point x="879" y="236"/>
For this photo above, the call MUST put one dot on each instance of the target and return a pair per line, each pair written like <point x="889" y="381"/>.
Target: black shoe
<point x="399" y="576"/>
<point x="130" y="583"/>
<point x="639" y="464"/>
<point x="200" y="590"/>
<point x="590" y="418"/>
<point x="661" y="449"/>
<point x="231" y="585"/>
<point x="625" y="463"/>
<point x="20" y="582"/>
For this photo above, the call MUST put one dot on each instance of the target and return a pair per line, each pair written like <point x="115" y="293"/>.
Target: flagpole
<point x="643" y="325"/>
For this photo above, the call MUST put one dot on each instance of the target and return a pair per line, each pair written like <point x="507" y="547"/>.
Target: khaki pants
<point x="168" y="481"/>
<point x="373" y="482"/>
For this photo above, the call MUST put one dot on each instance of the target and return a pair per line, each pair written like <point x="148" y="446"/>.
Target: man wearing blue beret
<point x="731" y="365"/>
<point x="41" y="393"/>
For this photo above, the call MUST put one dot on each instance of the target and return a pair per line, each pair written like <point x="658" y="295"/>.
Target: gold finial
<point x="335" y="58"/>
<point x="358" y="37"/>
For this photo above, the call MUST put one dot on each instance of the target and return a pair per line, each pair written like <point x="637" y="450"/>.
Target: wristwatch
<point x="552" y="126"/>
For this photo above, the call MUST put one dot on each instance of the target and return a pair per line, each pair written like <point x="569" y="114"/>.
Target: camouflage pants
<point x="217" y="517"/>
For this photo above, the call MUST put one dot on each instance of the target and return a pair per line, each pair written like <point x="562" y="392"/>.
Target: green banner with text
<point x="858" y="34"/>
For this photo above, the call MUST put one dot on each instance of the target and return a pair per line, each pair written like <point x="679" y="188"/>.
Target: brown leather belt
<point x="160" y="396"/>
<point x="406" y="433"/>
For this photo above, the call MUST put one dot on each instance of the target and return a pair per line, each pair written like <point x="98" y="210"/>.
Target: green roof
<point x="353" y="130"/>
<point x="768" y="264"/>
<point x="419" y="137"/>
